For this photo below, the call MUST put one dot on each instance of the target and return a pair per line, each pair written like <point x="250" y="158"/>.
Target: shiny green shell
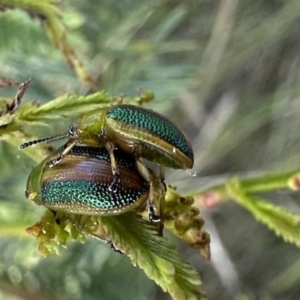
<point x="80" y="183"/>
<point x="153" y="123"/>
<point x="136" y="130"/>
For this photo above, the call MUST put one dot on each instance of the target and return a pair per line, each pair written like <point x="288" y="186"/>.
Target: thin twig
<point x="12" y="107"/>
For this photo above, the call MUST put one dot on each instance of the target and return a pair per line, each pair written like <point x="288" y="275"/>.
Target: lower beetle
<point x="133" y="129"/>
<point x="80" y="184"/>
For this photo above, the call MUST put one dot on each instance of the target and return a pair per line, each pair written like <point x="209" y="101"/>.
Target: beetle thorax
<point x="90" y="129"/>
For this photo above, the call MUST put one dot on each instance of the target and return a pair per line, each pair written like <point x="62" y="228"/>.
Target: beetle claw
<point x="113" y="187"/>
<point x="152" y="216"/>
<point x="112" y="246"/>
<point x="53" y="162"/>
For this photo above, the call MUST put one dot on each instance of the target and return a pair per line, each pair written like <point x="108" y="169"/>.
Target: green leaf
<point x="72" y="104"/>
<point x="138" y="239"/>
<point x="283" y="222"/>
<point x="68" y="104"/>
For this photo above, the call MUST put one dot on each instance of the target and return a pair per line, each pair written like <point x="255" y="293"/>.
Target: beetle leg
<point x="164" y="188"/>
<point x="145" y="172"/>
<point x="162" y="172"/>
<point x="159" y="196"/>
<point x="67" y="147"/>
<point x="98" y="237"/>
<point x="114" y="167"/>
<point x="113" y="246"/>
<point x="156" y="195"/>
<point x="102" y="238"/>
<point x="76" y="221"/>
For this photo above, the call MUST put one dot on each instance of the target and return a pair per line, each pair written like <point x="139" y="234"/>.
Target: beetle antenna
<point x="48" y="140"/>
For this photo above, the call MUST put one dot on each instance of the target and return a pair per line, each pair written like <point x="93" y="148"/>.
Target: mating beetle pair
<point x="137" y="131"/>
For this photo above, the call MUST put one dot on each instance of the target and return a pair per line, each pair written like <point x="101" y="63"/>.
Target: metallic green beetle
<point x="133" y="129"/>
<point x="80" y="183"/>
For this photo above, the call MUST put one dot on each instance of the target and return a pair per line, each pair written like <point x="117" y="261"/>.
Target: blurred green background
<point x="227" y="72"/>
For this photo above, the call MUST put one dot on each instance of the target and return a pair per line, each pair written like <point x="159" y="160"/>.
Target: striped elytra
<point x="80" y="183"/>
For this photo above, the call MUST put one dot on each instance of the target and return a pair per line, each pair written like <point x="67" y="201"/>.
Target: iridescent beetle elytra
<point x="80" y="183"/>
